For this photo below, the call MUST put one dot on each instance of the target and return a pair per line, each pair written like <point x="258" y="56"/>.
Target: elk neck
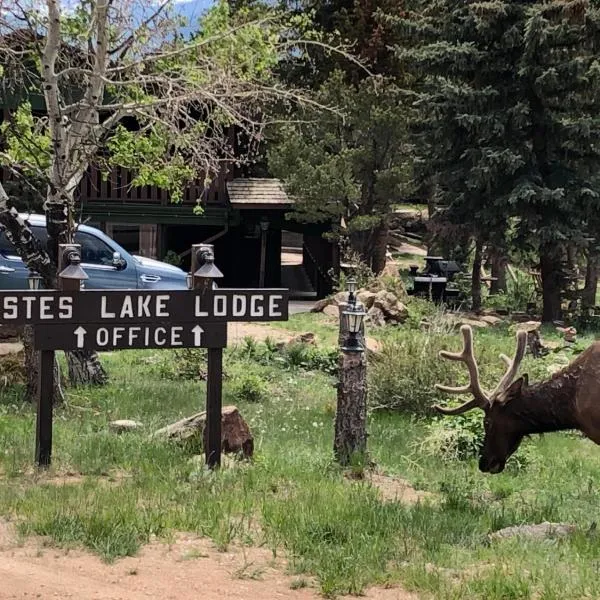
<point x="549" y="405"/>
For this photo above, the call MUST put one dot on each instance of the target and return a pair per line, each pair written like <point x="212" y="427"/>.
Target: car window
<point x="7" y="248"/>
<point x="93" y="250"/>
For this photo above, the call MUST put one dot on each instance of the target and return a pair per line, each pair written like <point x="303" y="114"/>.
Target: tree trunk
<point x="498" y="262"/>
<point x="476" y="277"/>
<point x="32" y="361"/>
<point x="38" y="259"/>
<point x="588" y="298"/>
<point x="85" y="368"/>
<point x="378" y="247"/>
<point x="371" y="246"/>
<point x="350" y="439"/>
<point x="552" y="282"/>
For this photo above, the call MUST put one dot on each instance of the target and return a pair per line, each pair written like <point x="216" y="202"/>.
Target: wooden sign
<point x="143" y="306"/>
<point x="98" y="336"/>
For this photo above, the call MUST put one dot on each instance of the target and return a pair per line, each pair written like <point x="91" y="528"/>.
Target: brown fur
<point x="570" y="399"/>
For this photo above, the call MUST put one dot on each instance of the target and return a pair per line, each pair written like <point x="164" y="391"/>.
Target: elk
<point x="570" y="399"/>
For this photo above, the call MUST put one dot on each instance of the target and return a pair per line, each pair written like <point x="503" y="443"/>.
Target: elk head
<point x="503" y="432"/>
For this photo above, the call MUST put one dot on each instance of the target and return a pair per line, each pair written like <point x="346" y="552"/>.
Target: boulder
<point x="390" y="306"/>
<point x="540" y="531"/>
<point x="490" y="319"/>
<point x="236" y="437"/>
<point x="304" y="338"/>
<point x="123" y="425"/>
<point x="375" y="317"/>
<point x="332" y="310"/>
<point x="367" y="298"/>
<point x="528" y="326"/>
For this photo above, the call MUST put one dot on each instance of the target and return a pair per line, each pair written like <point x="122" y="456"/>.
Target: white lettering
<point x="176" y="336"/>
<point x="104" y="314"/>
<point x="147" y="336"/>
<point x="133" y="334"/>
<point x="117" y="334"/>
<point x="274" y="307"/>
<point x="143" y="306"/>
<point x="10" y="308"/>
<point x="65" y="308"/>
<point x="198" y="312"/>
<point x="44" y="308"/>
<point x="29" y="300"/>
<point x="161" y="306"/>
<point x="160" y="341"/>
<point x="220" y="306"/>
<point x="102" y="337"/>
<point x="239" y="305"/>
<point x="127" y="308"/>
<point x="256" y="311"/>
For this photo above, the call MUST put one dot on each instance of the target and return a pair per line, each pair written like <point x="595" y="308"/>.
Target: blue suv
<point x="107" y="265"/>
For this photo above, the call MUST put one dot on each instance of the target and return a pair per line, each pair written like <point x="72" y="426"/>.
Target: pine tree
<point x="505" y="118"/>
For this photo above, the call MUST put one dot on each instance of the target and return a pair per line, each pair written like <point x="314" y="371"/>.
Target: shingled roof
<point x="258" y="193"/>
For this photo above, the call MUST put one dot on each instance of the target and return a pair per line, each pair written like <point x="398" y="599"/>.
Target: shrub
<point x="460" y="437"/>
<point x="249" y="388"/>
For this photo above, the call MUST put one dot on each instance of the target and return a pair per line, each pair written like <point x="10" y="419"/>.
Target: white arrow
<point x="80" y="333"/>
<point x="197" y="331"/>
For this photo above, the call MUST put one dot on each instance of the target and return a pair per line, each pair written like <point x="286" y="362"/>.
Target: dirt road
<point x="187" y="569"/>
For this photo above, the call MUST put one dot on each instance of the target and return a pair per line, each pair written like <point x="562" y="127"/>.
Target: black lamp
<point x="353" y="318"/>
<point x="207" y="271"/>
<point x="351" y="285"/>
<point x="73" y="270"/>
<point x="34" y="280"/>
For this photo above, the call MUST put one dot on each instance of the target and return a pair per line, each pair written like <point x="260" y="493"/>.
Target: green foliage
<point x="27" y="143"/>
<point x="328" y="161"/>
<point x="172" y="258"/>
<point x="249" y="387"/>
<point x="520" y="292"/>
<point x="291" y="356"/>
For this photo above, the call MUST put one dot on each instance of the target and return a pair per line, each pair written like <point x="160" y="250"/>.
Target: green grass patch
<point x="292" y="497"/>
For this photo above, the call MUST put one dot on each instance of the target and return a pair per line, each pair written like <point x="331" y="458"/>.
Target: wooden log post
<point x="350" y="439"/>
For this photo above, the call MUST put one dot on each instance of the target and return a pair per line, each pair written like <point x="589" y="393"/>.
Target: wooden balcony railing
<point x="117" y="188"/>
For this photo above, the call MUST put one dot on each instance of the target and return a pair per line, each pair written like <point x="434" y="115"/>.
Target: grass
<point x="292" y="498"/>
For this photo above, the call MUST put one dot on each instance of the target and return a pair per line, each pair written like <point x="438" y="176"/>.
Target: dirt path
<point x="187" y="569"/>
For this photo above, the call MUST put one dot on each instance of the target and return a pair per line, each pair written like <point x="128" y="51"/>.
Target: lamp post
<point x="202" y="276"/>
<point x="350" y="440"/>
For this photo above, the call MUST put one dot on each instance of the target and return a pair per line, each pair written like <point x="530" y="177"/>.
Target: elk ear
<point x="515" y="389"/>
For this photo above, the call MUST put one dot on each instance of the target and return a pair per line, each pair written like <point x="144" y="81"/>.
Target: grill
<point x="433" y="281"/>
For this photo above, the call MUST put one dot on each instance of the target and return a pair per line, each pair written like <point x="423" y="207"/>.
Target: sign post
<point x="70" y="319"/>
<point x="204" y="273"/>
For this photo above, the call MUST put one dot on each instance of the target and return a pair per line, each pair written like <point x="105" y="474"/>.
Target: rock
<point x="236" y="437"/>
<point x="367" y="298"/>
<point x="332" y="310"/>
<point x="490" y="319"/>
<point x="375" y="317"/>
<point x="320" y="305"/>
<point x="373" y="346"/>
<point x="391" y="307"/>
<point x="123" y="425"/>
<point x="540" y="531"/>
<point x="528" y="326"/>
<point x="304" y="338"/>
<point x="474" y="323"/>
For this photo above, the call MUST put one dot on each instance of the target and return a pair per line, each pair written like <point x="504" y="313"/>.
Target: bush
<point x="249" y="388"/>
<point x="291" y="356"/>
<point x="403" y="375"/>
<point x="187" y="364"/>
<point x="460" y="437"/>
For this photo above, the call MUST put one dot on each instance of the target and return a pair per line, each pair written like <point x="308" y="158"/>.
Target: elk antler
<point x="480" y="398"/>
<point x="513" y="365"/>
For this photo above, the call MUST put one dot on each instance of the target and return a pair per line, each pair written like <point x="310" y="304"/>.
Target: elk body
<point x="570" y="399"/>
